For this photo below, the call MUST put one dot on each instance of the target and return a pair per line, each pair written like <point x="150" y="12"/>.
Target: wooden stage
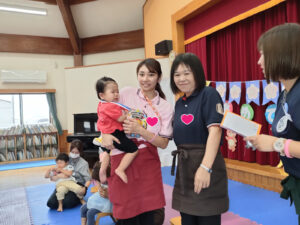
<point x="266" y="177"/>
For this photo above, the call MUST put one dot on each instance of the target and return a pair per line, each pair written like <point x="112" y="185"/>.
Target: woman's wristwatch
<point x="206" y="168"/>
<point x="278" y="146"/>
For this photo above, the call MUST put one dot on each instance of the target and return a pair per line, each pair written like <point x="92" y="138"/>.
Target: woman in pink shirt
<point x="136" y="201"/>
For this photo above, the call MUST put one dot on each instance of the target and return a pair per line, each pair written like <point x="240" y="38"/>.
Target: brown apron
<point x="212" y="200"/>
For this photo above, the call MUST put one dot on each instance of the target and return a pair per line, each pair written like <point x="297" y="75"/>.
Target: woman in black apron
<point x="280" y="61"/>
<point x="201" y="191"/>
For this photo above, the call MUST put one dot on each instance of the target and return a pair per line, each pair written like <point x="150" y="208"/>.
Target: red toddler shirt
<point x="108" y="115"/>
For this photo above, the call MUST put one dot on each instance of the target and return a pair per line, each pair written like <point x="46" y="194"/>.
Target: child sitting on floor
<point x="96" y="203"/>
<point x="110" y="118"/>
<point x="65" y="183"/>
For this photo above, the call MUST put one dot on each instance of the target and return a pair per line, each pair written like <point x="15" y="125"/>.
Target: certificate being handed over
<point x="240" y="125"/>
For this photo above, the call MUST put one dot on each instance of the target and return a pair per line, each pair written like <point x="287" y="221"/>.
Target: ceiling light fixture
<point x="22" y="9"/>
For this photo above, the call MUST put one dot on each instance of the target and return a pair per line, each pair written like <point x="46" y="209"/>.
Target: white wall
<point x="116" y="56"/>
<point x="53" y="64"/>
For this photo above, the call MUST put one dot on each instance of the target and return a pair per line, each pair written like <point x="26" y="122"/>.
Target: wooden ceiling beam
<point x="71" y="2"/>
<point x="62" y="46"/>
<point x="113" y="42"/>
<point x="66" y="13"/>
<point x="35" y="44"/>
<point x="75" y="2"/>
<point x="50" y="2"/>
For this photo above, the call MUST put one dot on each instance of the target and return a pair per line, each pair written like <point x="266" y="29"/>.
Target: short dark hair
<point x="102" y="83"/>
<point x="63" y="157"/>
<point x="154" y="67"/>
<point x="281" y="49"/>
<point x="76" y="143"/>
<point x="191" y="61"/>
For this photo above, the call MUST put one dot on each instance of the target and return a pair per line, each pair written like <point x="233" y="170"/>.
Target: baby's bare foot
<point x="59" y="209"/>
<point x="122" y="175"/>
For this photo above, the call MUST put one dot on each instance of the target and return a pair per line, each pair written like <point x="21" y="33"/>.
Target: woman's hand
<point x="131" y="125"/>
<point x="262" y="142"/>
<point x="202" y="180"/>
<point x="107" y="141"/>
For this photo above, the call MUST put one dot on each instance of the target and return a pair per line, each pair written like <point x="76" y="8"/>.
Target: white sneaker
<point x="97" y="141"/>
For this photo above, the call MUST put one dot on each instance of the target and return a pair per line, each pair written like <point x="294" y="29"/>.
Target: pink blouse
<point x="133" y="98"/>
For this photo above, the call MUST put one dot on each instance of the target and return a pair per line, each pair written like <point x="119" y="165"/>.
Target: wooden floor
<point x="23" y="177"/>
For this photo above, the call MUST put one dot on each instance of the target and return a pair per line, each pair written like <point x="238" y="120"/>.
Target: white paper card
<point x="240" y="125"/>
<point x="86" y="125"/>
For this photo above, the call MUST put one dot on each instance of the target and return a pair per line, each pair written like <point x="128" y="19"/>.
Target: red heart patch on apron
<point x="187" y="118"/>
<point x="152" y="121"/>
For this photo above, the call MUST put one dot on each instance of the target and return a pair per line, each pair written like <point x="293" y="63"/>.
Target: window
<point x="23" y="109"/>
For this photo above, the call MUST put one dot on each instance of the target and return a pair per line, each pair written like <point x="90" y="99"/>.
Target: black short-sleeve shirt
<point x="194" y="114"/>
<point x="291" y="129"/>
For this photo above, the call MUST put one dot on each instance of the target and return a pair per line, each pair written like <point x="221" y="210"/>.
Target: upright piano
<point x="85" y="129"/>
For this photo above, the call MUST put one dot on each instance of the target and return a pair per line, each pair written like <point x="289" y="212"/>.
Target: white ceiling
<point x="92" y="18"/>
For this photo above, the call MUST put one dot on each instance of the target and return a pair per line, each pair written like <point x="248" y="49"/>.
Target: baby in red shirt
<point x="110" y="118"/>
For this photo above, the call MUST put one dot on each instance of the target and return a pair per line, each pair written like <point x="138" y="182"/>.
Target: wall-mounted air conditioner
<point x="23" y="76"/>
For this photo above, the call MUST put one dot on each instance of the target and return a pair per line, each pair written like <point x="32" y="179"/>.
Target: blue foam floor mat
<point x="259" y="205"/>
<point x="41" y="215"/>
<point x="23" y="165"/>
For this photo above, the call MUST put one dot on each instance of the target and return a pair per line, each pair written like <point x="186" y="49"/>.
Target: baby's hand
<point x="125" y="112"/>
<point x="58" y="170"/>
<point x="52" y="173"/>
<point x="123" y="117"/>
<point x="53" y="168"/>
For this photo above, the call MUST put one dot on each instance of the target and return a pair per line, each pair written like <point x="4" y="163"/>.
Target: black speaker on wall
<point x="163" y="47"/>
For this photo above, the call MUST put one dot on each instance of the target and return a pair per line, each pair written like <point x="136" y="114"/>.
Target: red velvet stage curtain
<point x="199" y="48"/>
<point x="231" y="55"/>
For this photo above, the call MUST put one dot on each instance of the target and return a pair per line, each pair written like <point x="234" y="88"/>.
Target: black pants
<point x="127" y="145"/>
<point x="146" y="218"/>
<point x="187" y="219"/>
<point x="70" y="200"/>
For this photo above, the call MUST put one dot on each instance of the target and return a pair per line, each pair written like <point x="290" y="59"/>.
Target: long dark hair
<point x="154" y="67"/>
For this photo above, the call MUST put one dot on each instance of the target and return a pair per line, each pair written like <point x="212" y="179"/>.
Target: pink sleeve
<point x="166" y="114"/>
<point x="126" y="93"/>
